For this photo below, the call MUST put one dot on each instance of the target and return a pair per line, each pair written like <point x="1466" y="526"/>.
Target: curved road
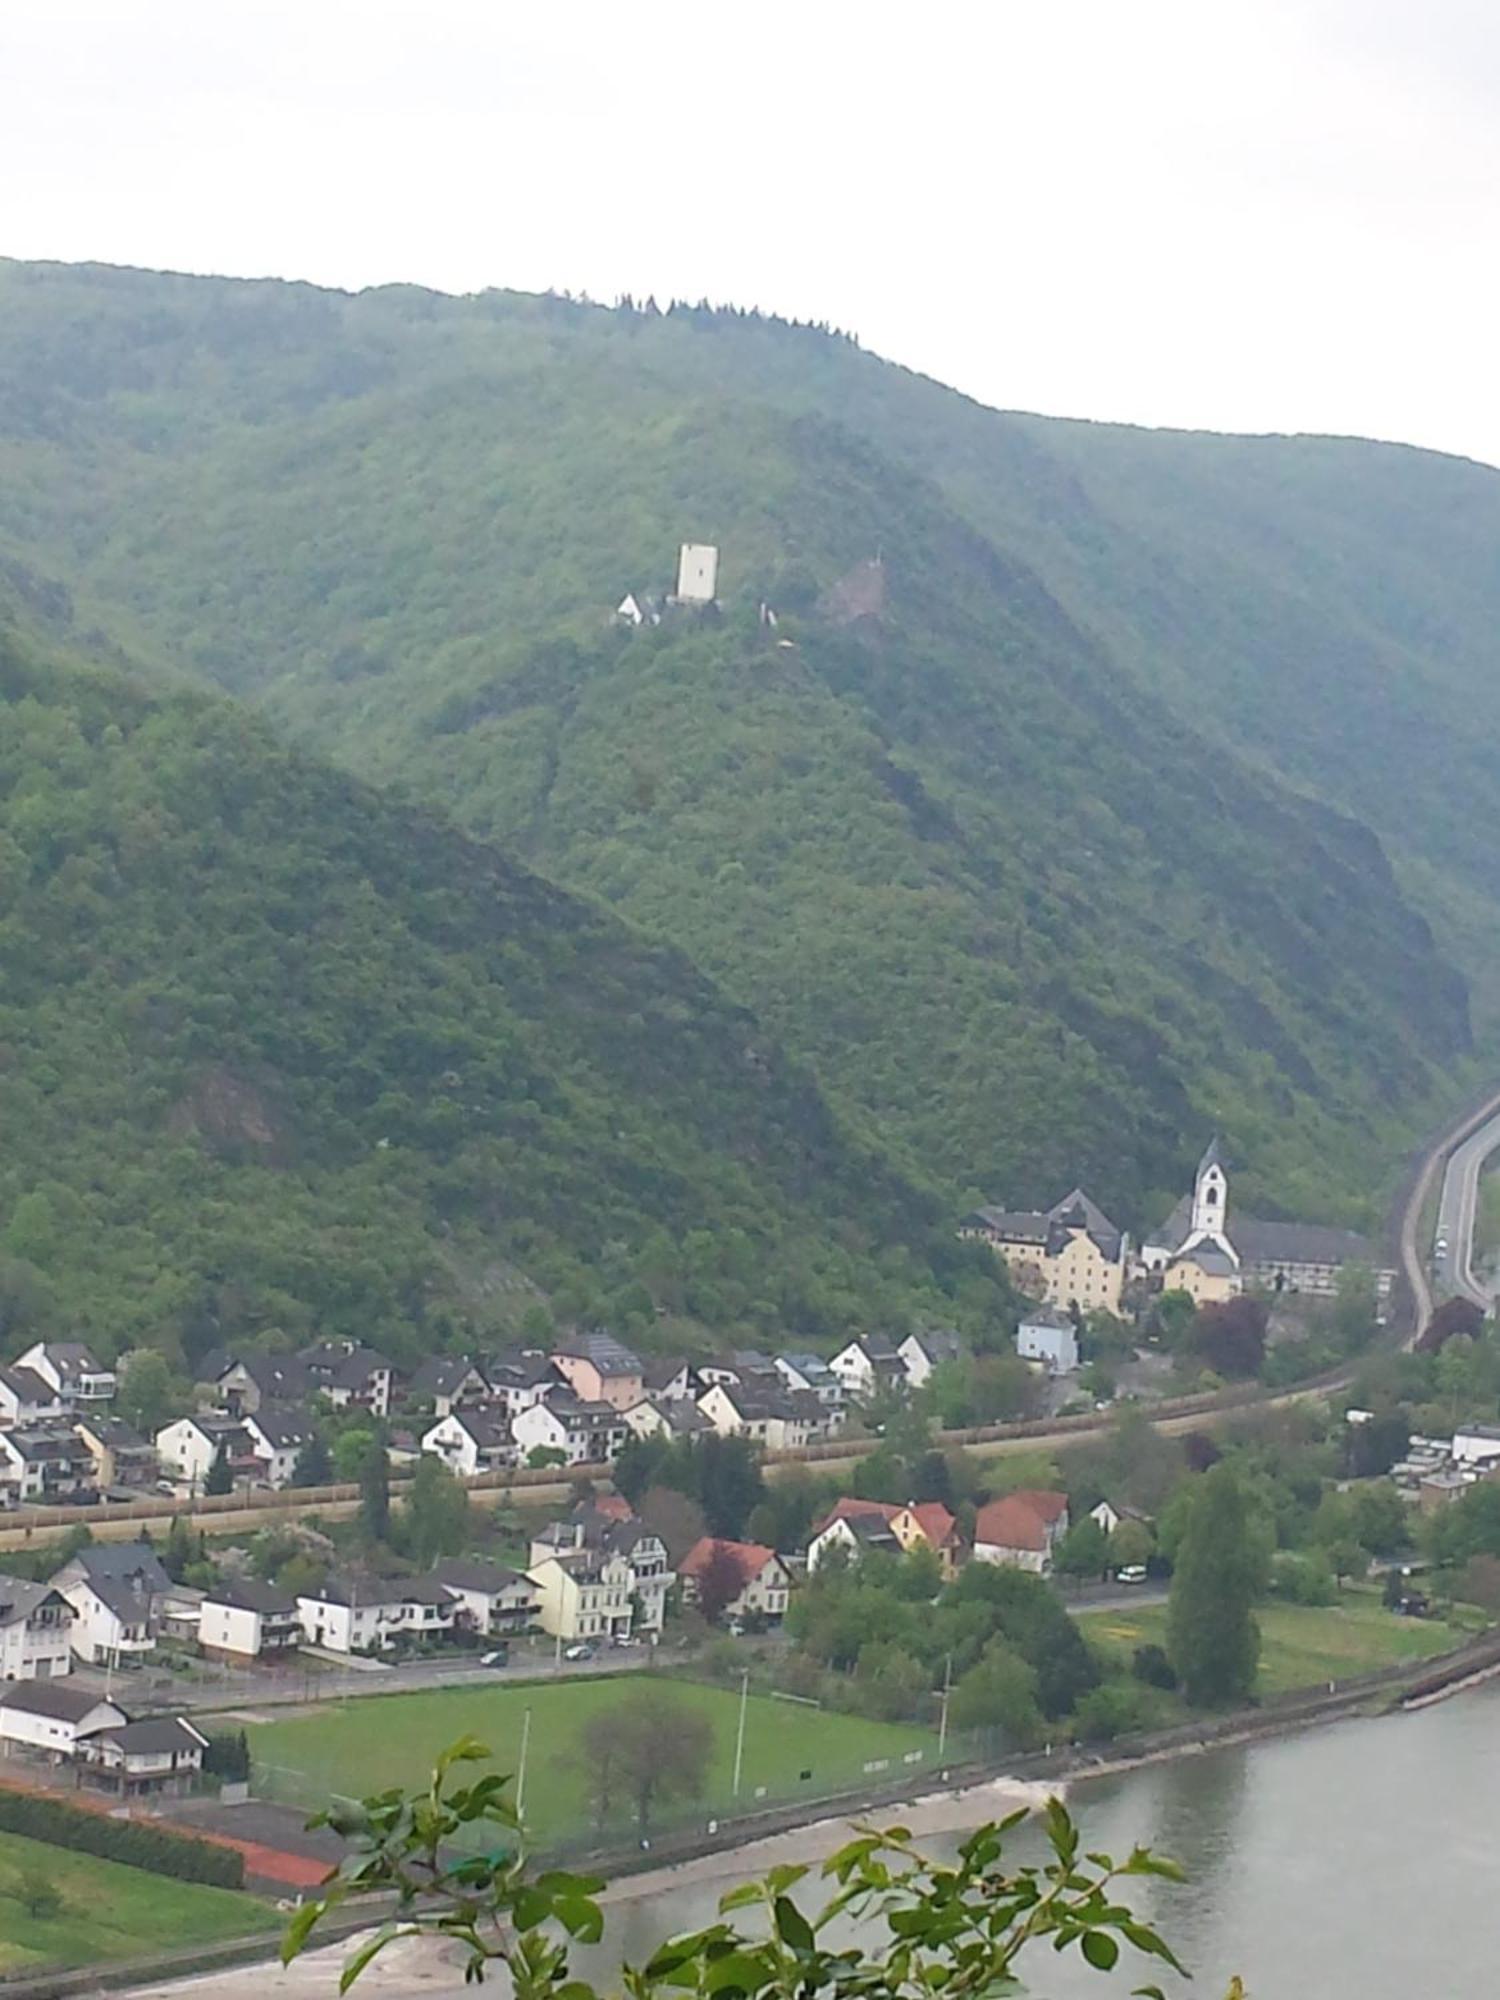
<point x="1458" y="1209"/>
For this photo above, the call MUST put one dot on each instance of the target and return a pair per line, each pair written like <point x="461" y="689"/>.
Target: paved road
<point x="1458" y="1209"/>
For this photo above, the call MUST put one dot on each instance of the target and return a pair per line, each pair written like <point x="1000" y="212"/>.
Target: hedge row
<point x="152" y="1847"/>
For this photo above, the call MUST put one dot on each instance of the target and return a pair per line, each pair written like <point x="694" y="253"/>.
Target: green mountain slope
<point x="1015" y="862"/>
<point x="276" y="1051"/>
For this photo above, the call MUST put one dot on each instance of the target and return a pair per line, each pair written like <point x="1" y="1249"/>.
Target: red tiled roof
<point x="933" y="1518"/>
<point x="1017" y="1521"/>
<point x="751" y="1557"/>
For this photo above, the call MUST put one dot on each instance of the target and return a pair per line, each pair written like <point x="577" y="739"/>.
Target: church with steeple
<point x="1200" y="1250"/>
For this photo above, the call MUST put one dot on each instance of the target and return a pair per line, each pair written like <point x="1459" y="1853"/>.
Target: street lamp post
<point x="521" y="1762"/>
<point x="943" y="1720"/>
<point x="739" y="1735"/>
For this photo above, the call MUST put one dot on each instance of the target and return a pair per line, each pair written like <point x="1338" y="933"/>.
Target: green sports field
<point x="108" y="1911"/>
<point x="365" y="1745"/>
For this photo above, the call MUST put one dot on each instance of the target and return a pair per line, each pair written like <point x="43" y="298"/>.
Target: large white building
<point x="697" y="573"/>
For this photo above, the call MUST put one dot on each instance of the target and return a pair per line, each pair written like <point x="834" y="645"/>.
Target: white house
<point x="187" y="1448"/>
<point x="488" y="1597"/>
<point x="112" y="1623"/>
<point x="46" y="1463"/>
<point x="585" y="1433"/>
<point x="35" y="1621"/>
<point x="1051" y="1338"/>
<point x="68" y="1368"/>
<point x="779" y="1419"/>
<point x="25" y="1398"/>
<point x="350" y="1375"/>
<point x="160" y="1753"/>
<point x="853" y="1535"/>
<point x="245" y="1620"/>
<point x="921" y="1353"/>
<point x="810" y="1375"/>
<point x="52" y="1718"/>
<point x="1021" y="1530"/>
<point x="277" y="1434"/>
<point x="471" y="1441"/>
<point x="449" y="1382"/>
<point x="366" y="1614"/>
<point x="519" y="1380"/>
<point x="868" y="1364"/>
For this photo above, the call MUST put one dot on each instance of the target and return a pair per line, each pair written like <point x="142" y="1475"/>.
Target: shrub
<point x="138" y="1846"/>
<point x="1152" y="1666"/>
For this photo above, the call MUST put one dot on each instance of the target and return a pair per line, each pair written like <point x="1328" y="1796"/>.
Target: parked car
<point x="1131" y="1573"/>
<point x="578" y="1652"/>
<point x="499" y="1657"/>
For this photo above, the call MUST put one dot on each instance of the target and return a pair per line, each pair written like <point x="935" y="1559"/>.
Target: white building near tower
<point x="697" y="573"/>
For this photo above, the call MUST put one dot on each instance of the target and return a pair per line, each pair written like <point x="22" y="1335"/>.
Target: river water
<point x="1361" y="1859"/>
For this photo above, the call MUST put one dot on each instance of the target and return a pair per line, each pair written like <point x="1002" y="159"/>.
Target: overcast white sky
<point x="1241" y="214"/>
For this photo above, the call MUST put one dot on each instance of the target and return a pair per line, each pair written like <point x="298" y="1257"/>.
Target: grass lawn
<point x="378" y="1741"/>
<point x="1299" y="1645"/>
<point x="108" y="1910"/>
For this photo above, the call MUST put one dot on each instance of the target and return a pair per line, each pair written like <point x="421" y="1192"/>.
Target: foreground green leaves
<point x="886" y="1921"/>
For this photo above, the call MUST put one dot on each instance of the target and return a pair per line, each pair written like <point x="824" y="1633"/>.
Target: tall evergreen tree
<point x="375" y="1492"/>
<point x="1212" y="1637"/>
<point x="314" y="1466"/>
<point x="220" y="1479"/>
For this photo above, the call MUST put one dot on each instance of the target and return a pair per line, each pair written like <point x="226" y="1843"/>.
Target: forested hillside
<point x="277" y="1052"/>
<point x="1012" y="858"/>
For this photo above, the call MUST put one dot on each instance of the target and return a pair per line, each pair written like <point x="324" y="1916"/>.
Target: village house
<point x="584" y="1433"/>
<point x="124" y="1461"/>
<point x="921" y="1353"/>
<point x="1049" y="1336"/>
<point x="599" y="1369"/>
<point x="242" y="1381"/>
<point x="1021" y="1530"/>
<point x="25" y="1399"/>
<point x="1068" y="1255"/>
<point x="35" y="1623"/>
<point x="116" y="1590"/>
<point x="47" y="1720"/>
<point x="358" y="1613"/>
<point x="780" y="1419"/>
<point x="189" y="1447"/>
<point x="471" y="1441"/>
<point x="278" y="1433"/>
<point x="855" y="1525"/>
<point x="517" y="1381"/>
<point x="587" y="1543"/>
<point x="666" y="1417"/>
<point x="349" y="1375"/>
<point x="584" y="1594"/>
<point x="246" y="1622"/>
<point x="70" y="1370"/>
<point x="869" y="1366"/>
<point x="45" y="1465"/>
<point x="810" y="1375"/>
<point x="1201" y="1250"/>
<point x="449" y="1382"/>
<point x="670" y="1379"/>
<point x="764" y="1580"/>
<point x="159" y="1755"/>
<point x="488" y="1598"/>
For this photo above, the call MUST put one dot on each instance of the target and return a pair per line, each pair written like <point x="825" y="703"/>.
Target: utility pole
<point x="943" y="1720"/>
<point x="521" y="1764"/>
<point x="739" y="1735"/>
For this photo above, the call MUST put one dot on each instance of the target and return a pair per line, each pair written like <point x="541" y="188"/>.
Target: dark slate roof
<point x="1213" y="1155"/>
<point x="250" y="1594"/>
<point x="1209" y="1257"/>
<point x="54" y="1699"/>
<point x="465" y="1573"/>
<point x="683" y="1416"/>
<point x="598" y="1344"/>
<point x="19" y="1597"/>
<point x="72" y="1359"/>
<point x="519" y="1371"/>
<point x="484" y="1427"/>
<point x="114" y="1432"/>
<point x="27" y="1385"/>
<point x="278" y="1377"/>
<point x="444" y="1374"/>
<point x="662" y="1369"/>
<point x="1014" y="1225"/>
<point x="343" y="1364"/>
<point x="47" y="1441"/>
<point x="283" y="1425"/>
<point x="1174" y="1231"/>
<point x="120" y="1562"/>
<point x="1299" y="1243"/>
<point x="358" y="1588"/>
<point x="153" y="1735"/>
<point x="1077" y="1210"/>
<point x="940" y="1343"/>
